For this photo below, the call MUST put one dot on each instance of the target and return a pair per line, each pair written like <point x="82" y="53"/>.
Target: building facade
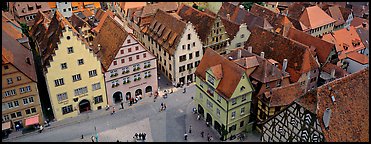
<point x="223" y="96"/>
<point x="20" y="96"/>
<point x="65" y="8"/>
<point x="25" y="12"/>
<point x="73" y="74"/>
<point x="129" y="68"/>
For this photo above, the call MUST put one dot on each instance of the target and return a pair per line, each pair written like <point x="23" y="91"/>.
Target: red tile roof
<point x="309" y="101"/>
<point x="102" y="18"/>
<point x="349" y="119"/>
<point x="110" y="38"/>
<point x="339" y="72"/>
<point x="232" y="73"/>
<point x="151" y="9"/>
<point x="12" y="31"/>
<point x="314" y="17"/>
<point x="230" y="27"/>
<point x="335" y="13"/>
<point x="202" y="22"/>
<point x="357" y="22"/>
<point x="77" y="22"/>
<point x="278" y="47"/>
<point x="285" y="95"/>
<point x="322" y="48"/>
<point x="16" y="54"/>
<point x="40" y="27"/>
<point x="360" y="58"/>
<point x="27" y="8"/>
<point x="236" y="13"/>
<point x="166" y="30"/>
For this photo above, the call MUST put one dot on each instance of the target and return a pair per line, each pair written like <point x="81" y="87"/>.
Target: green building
<point x="223" y="96"/>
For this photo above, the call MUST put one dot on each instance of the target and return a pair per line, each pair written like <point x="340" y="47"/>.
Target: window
<point x="190" y="56"/>
<point x="59" y="82"/>
<point x="13" y="115"/>
<point x="10" y="92"/>
<point x="238" y="44"/>
<point x="19" y="114"/>
<point x="76" y="77"/>
<point x="10" y="105"/>
<point x="22" y="89"/>
<point x="25" y="101"/>
<point x="128" y="41"/>
<point x="242" y="88"/>
<point x="6" y="67"/>
<point x="69" y="9"/>
<point x="130" y="58"/>
<point x="193" y="44"/>
<point x="10" y="81"/>
<point x="189" y="46"/>
<point x="121" y="51"/>
<point x="129" y="50"/>
<point x="170" y="67"/>
<point x="210" y="79"/>
<point x="189" y="66"/>
<point x="234" y="101"/>
<point x="64" y="66"/>
<point x="137" y="56"/>
<point x="243" y="98"/>
<point x="169" y="57"/>
<point x="123" y="60"/>
<point x="67" y="109"/>
<point x="209" y="104"/>
<point x="182" y="58"/>
<point x="98" y="99"/>
<point x="218" y="111"/>
<point x="33" y="110"/>
<point x="197" y="53"/>
<point x="16" y="104"/>
<point x="114" y="62"/>
<point x="31" y="99"/>
<point x="144" y="55"/>
<point x="219" y="98"/>
<point x="96" y="86"/>
<point x="18" y="78"/>
<point x="241" y="123"/>
<point x="80" y="61"/>
<point x="182" y="69"/>
<point x="28" y="111"/>
<point x="267" y="86"/>
<point x="62" y="96"/>
<point x="233" y="114"/>
<point x="136" y="48"/>
<point x="217" y="24"/>
<point x="197" y="63"/>
<point x="92" y="73"/>
<point x="201" y="96"/>
<point x="183" y="47"/>
<point x="189" y="37"/>
<point x="70" y="49"/>
<point x="242" y="36"/>
<point x="81" y="91"/>
<point x="242" y="110"/>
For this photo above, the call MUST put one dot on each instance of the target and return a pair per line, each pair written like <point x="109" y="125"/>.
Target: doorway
<point x="84" y="106"/>
<point x="117" y="97"/>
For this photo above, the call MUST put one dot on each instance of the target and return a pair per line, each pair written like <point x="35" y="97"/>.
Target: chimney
<point x="239" y="54"/>
<point x="364" y="24"/>
<point x="273" y="66"/>
<point x="284" y="65"/>
<point x="326" y="118"/>
<point x="228" y="16"/>
<point x="242" y="7"/>
<point x="262" y="54"/>
<point x="333" y="73"/>
<point x="99" y="47"/>
<point x="249" y="49"/>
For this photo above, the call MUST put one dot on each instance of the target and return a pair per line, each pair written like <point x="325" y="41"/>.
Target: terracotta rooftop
<point x="285" y="95"/>
<point x="236" y="13"/>
<point x="360" y="58"/>
<point x="202" y="22"/>
<point x="52" y="37"/>
<point x="314" y="17"/>
<point x="339" y="72"/>
<point x="335" y="13"/>
<point x="27" y="8"/>
<point x="264" y="72"/>
<point x="217" y="71"/>
<point x="296" y="9"/>
<point x="52" y="4"/>
<point x="344" y="38"/>
<point x="102" y="17"/>
<point x="126" y="5"/>
<point x="308" y="101"/>
<point x="110" y="38"/>
<point x="8" y="17"/>
<point x="322" y="48"/>
<point x="360" y="10"/>
<point x="349" y="119"/>
<point x="150" y="10"/>
<point x="230" y="27"/>
<point x="232" y="73"/>
<point x="278" y="47"/>
<point x="16" y="54"/>
<point x="364" y="35"/>
<point x="166" y="30"/>
<point x="77" y="21"/>
<point x="40" y="27"/>
<point x="12" y="31"/>
<point x="357" y="22"/>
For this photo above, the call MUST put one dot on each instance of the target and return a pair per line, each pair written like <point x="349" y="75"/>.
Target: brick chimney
<point x="228" y="16"/>
<point x="262" y="54"/>
<point x="239" y="54"/>
<point x="249" y="49"/>
<point x="284" y="65"/>
<point x="333" y="73"/>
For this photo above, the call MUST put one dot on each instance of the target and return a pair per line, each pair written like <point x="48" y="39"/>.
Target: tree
<point x="248" y="5"/>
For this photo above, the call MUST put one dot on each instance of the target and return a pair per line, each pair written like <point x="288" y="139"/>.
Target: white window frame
<point x="233" y="115"/>
<point x="242" y="110"/>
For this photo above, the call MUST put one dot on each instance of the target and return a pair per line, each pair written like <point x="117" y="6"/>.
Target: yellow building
<point x="20" y="95"/>
<point x="72" y="72"/>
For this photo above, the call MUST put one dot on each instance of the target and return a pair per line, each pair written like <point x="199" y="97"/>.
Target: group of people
<point x="133" y="100"/>
<point x="163" y="107"/>
<point x="140" y="136"/>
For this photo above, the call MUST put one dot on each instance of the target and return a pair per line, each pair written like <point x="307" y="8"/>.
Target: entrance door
<point x="138" y="92"/>
<point x="217" y="127"/>
<point x="190" y="78"/>
<point x="182" y="80"/>
<point x="148" y="89"/>
<point x="208" y="118"/>
<point x="84" y="106"/>
<point x="117" y="97"/>
<point x="200" y="110"/>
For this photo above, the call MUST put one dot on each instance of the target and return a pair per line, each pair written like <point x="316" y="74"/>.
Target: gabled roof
<point x="364" y="35"/>
<point x="230" y="27"/>
<point x="285" y="95"/>
<point x="202" y="22"/>
<point x="8" y="17"/>
<point x="278" y="47"/>
<point x="102" y="17"/>
<point x="16" y="54"/>
<point x="345" y="12"/>
<point x="322" y="48"/>
<point x="77" y="21"/>
<point x="232" y="73"/>
<point x="110" y="38"/>
<point x="217" y="71"/>
<point x="349" y="119"/>
<point x="27" y="8"/>
<point x="360" y="58"/>
<point x="309" y="101"/>
<point x="295" y="10"/>
<point x="166" y="30"/>
<point x="40" y="27"/>
<point x="126" y="5"/>
<point x="236" y="13"/>
<point x="150" y="10"/>
<point x="339" y="72"/>
<point x="357" y="22"/>
<point x="314" y="17"/>
<point x="335" y="13"/>
<point x="52" y="37"/>
<point x="12" y="31"/>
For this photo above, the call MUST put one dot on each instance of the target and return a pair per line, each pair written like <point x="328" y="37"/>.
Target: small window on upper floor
<point x="137" y="56"/>
<point x="128" y="41"/>
<point x="70" y="50"/>
<point x="189" y="36"/>
<point x="136" y="48"/>
<point x="10" y="81"/>
<point x="68" y="37"/>
<point x="242" y="36"/>
<point x="19" y="78"/>
<point x="6" y="67"/>
<point x="129" y="50"/>
<point x="114" y="62"/>
<point x="242" y="88"/>
<point x="121" y="51"/>
<point x="144" y="55"/>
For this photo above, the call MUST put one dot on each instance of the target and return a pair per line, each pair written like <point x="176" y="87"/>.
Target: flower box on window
<point x="147" y="66"/>
<point x="126" y="82"/>
<point x="125" y="72"/>
<point x="147" y="76"/>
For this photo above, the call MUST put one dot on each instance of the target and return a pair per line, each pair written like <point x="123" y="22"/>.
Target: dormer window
<point x="345" y="46"/>
<point x="210" y="79"/>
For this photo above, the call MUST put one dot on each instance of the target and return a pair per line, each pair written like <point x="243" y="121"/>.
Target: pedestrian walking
<point x="164" y="106"/>
<point x="113" y="109"/>
<point x="122" y="104"/>
<point x="190" y="129"/>
<point x="144" y="136"/>
<point x="198" y="117"/>
<point x="140" y="136"/>
<point x="211" y="138"/>
<point x="136" y="135"/>
<point x="82" y="136"/>
<point x="41" y="129"/>
<point x="202" y="134"/>
<point x="185" y="136"/>
<point x="92" y="138"/>
<point x="184" y="90"/>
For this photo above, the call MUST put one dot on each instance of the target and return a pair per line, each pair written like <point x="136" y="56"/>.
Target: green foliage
<point x="248" y="5"/>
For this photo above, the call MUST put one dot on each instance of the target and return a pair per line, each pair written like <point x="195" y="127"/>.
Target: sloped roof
<point x="308" y="101"/>
<point x="22" y="8"/>
<point x="77" y="21"/>
<point x="127" y="5"/>
<point x="102" y="17"/>
<point x="166" y="30"/>
<point x="52" y="4"/>
<point x="16" y="54"/>
<point x="110" y="38"/>
<point x="335" y="13"/>
<point x="278" y="47"/>
<point x="322" y="48"/>
<point x="202" y="22"/>
<point x="285" y="95"/>
<point x="40" y="27"/>
<point x="339" y="72"/>
<point x="232" y="73"/>
<point x="236" y="13"/>
<point x="149" y="10"/>
<point x="357" y="22"/>
<point x="12" y="31"/>
<point x="230" y="27"/>
<point x="217" y="71"/>
<point x="364" y="35"/>
<point x="360" y="58"/>
<point x="349" y="119"/>
<point x="314" y="17"/>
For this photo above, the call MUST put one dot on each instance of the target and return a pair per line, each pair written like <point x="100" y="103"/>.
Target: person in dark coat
<point x="122" y="104"/>
<point x="144" y="136"/>
<point x="136" y="135"/>
<point x="190" y="129"/>
<point x="202" y="134"/>
<point x="185" y="136"/>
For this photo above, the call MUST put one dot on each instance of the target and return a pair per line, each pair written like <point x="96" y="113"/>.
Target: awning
<point x="6" y="125"/>
<point x="32" y="120"/>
